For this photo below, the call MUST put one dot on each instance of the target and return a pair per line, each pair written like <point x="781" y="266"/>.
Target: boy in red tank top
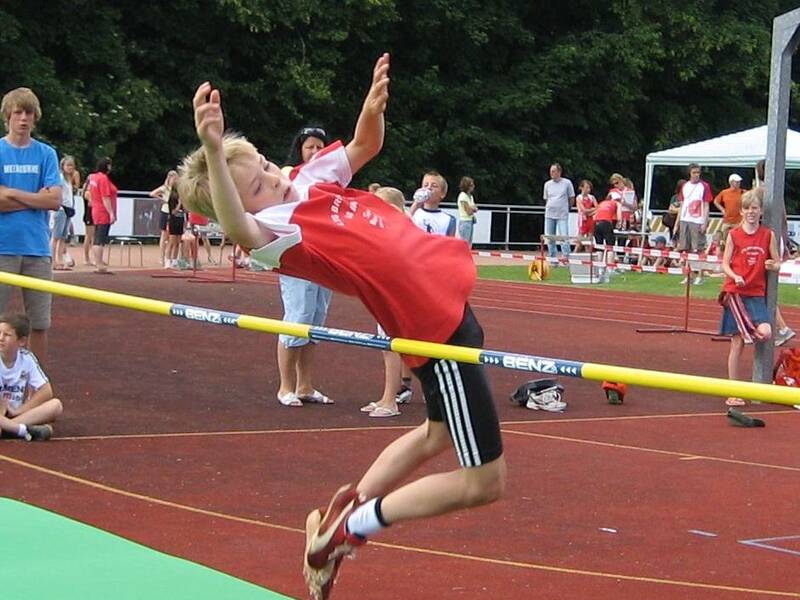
<point x="750" y="251"/>
<point x="311" y="225"/>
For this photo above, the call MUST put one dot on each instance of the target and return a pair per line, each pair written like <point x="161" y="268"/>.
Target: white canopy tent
<point x="741" y="149"/>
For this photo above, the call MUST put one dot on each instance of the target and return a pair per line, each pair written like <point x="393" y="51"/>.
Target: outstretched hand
<point x="208" y="119"/>
<point x="378" y="94"/>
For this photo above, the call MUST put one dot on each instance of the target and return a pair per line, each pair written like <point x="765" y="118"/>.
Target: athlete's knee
<point x="487" y="483"/>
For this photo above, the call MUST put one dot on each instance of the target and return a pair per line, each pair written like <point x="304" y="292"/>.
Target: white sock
<point x="23" y="431"/>
<point x="366" y="520"/>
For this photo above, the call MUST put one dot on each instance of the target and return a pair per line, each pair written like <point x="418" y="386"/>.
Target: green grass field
<point x="643" y="283"/>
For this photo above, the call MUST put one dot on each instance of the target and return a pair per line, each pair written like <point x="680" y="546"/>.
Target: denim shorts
<point x="303" y="302"/>
<point x="37" y="304"/>
<point x="756" y="307"/>
<point x="60" y="225"/>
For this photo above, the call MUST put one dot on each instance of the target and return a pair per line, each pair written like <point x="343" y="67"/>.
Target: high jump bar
<point x="678" y="382"/>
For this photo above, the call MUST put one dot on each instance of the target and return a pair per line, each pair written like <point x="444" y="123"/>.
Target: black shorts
<point x="101" y="236"/>
<point x="459" y="395"/>
<point x="604" y="232"/>
<point x="176" y="224"/>
<point x="163" y="219"/>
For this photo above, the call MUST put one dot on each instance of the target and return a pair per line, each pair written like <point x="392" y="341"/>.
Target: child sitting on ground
<point x="750" y="251"/>
<point x="416" y="286"/>
<point x="27" y="406"/>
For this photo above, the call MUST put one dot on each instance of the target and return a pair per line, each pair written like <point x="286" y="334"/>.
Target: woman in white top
<point x="466" y="209"/>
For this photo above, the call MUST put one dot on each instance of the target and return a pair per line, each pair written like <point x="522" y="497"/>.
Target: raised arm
<point x="368" y="137"/>
<point x="210" y="125"/>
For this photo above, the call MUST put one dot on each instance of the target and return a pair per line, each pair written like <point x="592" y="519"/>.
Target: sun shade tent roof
<point x="741" y="149"/>
<point x="735" y="150"/>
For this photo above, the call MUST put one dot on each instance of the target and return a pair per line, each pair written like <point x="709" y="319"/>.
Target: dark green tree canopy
<point x="496" y="89"/>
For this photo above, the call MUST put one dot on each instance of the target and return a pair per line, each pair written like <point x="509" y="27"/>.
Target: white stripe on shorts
<point x="458" y="418"/>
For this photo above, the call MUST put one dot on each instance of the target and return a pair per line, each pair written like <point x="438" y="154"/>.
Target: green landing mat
<point x="44" y="555"/>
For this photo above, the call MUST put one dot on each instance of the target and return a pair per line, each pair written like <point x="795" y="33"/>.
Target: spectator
<point x="466" y="209"/>
<point x="607" y="214"/>
<point x="750" y="251"/>
<point x="630" y="205"/>
<point x="30" y="185"/>
<point x="162" y="193"/>
<point x="558" y="195"/>
<point x="176" y="222"/>
<point x="303" y="301"/>
<point x="198" y="232"/>
<point x="729" y="203"/>
<point x="425" y="210"/>
<point x="397" y="376"/>
<point x="671" y="216"/>
<point x="27" y="405"/>
<point x="88" y="224"/>
<point x="586" y="204"/>
<point x="658" y="242"/>
<point x="70" y="182"/>
<point x="695" y="196"/>
<point x="103" y="196"/>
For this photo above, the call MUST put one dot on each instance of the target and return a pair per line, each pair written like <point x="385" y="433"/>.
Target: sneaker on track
<point x="40" y="433"/>
<point x="404" y="395"/>
<point x="331" y="540"/>
<point x="319" y="581"/>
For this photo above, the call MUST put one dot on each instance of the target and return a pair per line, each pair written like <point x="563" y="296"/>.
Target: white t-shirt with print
<point x="20" y="379"/>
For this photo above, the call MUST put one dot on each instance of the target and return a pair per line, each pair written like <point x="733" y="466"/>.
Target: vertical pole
<point x="785" y="36"/>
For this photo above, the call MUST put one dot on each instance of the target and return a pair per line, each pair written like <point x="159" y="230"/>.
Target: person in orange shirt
<point x="729" y="203"/>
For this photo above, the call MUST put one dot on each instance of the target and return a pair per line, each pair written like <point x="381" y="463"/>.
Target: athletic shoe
<point x="403" y="395"/>
<point x="319" y="581"/>
<point x="550" y="404"/>
<point x="784" y="335"/>
<point x="39" y="433"/>
<point x="331" y="540"/>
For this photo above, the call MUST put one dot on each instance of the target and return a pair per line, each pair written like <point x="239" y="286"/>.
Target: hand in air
<point x="208" y="119"/>
<point x="378" y="95"/>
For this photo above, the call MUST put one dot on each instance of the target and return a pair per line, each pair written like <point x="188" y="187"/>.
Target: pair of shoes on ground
<point x="735" y="402"/>
<point x="328" y="541"/>
<point x="292" y="399"/>
<point x="784" y="335"/>
<point x="39" y="433"/>
<point x="376" y="410"/>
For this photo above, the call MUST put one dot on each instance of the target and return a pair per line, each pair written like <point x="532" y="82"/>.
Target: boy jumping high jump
<point x="311" y="225"/>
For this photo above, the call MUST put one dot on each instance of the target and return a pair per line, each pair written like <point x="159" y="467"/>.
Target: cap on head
<point x="734" y="177"/>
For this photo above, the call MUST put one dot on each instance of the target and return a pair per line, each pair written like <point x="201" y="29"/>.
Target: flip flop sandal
<point x="289" y="400"/>
<point x="316" y="397"/>
<point x="382" y="411"/>
<point x="735" y="402"/>
<point x="368" y="408"/>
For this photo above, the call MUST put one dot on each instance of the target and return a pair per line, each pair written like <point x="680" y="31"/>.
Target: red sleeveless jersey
<point x="750" y="252"/>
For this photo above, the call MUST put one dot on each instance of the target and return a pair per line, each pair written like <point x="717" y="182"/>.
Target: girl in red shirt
<point x="750" y="251"/>
<point x="586" y="204"/>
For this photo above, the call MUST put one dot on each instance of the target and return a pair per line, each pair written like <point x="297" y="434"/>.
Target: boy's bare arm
<point x="11" y="199"/>
<point x="368" y="137"/>
<point x="210" y="124"/>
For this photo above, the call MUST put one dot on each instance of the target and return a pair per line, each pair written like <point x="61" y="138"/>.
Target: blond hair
<point x="754" y="195"/>
<point x="392" y="196"/>
<point x="23" y="98"/>
<point x="193" y="186"/>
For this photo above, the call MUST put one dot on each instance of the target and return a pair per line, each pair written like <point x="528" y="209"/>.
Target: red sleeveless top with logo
<point x="750" y="252"/>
